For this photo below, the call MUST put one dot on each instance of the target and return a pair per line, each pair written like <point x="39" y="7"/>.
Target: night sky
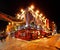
<point x="50" y="8"/>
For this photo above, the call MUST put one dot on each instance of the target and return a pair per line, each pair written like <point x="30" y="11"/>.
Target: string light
<point x="41" y="15"/>
<point x="9" y="23"/>
<point x="22" y="11"/>
<point x="37" y="11"/>
<point x="32" y="6"/>
<point x="18" y="16"/>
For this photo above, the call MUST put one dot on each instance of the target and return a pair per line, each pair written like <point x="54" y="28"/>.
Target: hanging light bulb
<point x="41" y="15"/>
<point x="22" y="11"/>
<point x="9" y="23"/>
<point x="18" y="16"/>
<point x="37" y="12"/>
<point x="22" y="16"/>
<point x="32" y="7"/>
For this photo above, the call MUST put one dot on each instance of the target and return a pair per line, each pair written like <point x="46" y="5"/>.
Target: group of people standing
<point x="2" y="37"/>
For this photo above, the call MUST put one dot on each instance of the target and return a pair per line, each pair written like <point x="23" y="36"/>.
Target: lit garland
<point x="36" y="14"/>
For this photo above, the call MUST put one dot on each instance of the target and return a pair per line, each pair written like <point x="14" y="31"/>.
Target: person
<point x="2" y="37"/>
<point x="54" y="31"/>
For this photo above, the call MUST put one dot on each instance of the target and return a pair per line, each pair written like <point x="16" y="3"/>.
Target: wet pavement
<point x="52" y="43"/>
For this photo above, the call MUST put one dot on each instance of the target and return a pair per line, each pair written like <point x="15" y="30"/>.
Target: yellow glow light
<point x="29" y="8"/>
<point x="18" y="16"/>
<point x="32" y="6"/>
<point x="41" y="15"/>
<point x="22" y="11"/>
<point x="37" y="11"/>
<point x="9" y="23"/>
<point x="22" y="16"/>
<point x="12" y="23"/>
